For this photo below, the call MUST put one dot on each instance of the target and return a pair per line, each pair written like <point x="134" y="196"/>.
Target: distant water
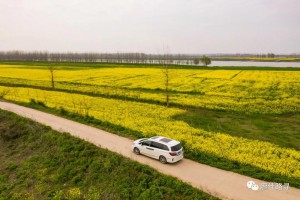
<point x="253" y="63"/>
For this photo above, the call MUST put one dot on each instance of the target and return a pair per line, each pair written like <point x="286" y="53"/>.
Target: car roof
<point x="164" y="140"/>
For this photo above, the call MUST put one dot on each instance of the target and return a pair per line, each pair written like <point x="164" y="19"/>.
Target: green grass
<point x="39" y="163"/>
<point x="283" y="130"/>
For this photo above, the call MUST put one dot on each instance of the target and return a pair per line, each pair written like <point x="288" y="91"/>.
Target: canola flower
<point x="151" y="119"/>
<point x="253" y="91"/>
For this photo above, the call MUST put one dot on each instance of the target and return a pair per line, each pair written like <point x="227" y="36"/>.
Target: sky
<point x="151" y="26"/>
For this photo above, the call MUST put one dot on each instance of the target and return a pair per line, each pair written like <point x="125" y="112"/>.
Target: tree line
<point x="142" y="58"/>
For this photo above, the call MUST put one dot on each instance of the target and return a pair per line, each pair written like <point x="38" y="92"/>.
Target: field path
<point x="217" y="182"/>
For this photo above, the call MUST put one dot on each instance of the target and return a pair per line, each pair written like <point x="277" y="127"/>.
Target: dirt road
<point x="220" y="183"/>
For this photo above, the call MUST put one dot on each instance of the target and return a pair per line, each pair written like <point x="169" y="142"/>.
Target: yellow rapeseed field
<point x="249" y="91"/>
<point x="151" y="119"/>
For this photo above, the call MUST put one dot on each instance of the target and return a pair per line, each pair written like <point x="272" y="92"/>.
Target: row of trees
<point x="99" y="57"/>
<point x="204" y="60"/>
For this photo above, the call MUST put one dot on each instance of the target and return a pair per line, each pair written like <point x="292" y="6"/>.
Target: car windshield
<point x="176" y="147"/>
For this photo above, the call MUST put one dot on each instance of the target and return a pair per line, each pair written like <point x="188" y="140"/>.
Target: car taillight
<point x="173" y="153"/>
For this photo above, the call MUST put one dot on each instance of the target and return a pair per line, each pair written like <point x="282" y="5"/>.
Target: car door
<point x="146" y="149"/>
<point x="156" y="149"/>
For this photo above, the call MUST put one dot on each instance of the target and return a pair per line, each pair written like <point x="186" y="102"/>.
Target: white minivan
<point x="164" y="149"/>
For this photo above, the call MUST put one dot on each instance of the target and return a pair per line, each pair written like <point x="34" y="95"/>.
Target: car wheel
<point x="136" y="151"/>
<point x="162" y="159"/>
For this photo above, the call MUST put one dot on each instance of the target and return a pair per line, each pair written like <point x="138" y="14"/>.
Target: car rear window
<point x="176" y="147"/>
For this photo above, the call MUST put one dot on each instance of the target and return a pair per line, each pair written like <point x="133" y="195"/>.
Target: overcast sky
<point x="185" y="26"/>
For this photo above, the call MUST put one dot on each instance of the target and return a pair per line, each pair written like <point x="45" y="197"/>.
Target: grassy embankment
<point x="39" y="163"/>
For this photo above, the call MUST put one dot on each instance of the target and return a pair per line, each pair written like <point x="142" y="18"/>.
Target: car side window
<point x="146" y="143"/>
<point x="164" y="147"/>
<point x="155" y="145"/>
<point x="159" y="146"/>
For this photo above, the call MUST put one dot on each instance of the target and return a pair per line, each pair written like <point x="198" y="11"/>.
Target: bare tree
<point x="87" y="105"/>
<point x="166" y="73"/>
<point x="74" y="104"/>
<point x="51" y="69"/>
